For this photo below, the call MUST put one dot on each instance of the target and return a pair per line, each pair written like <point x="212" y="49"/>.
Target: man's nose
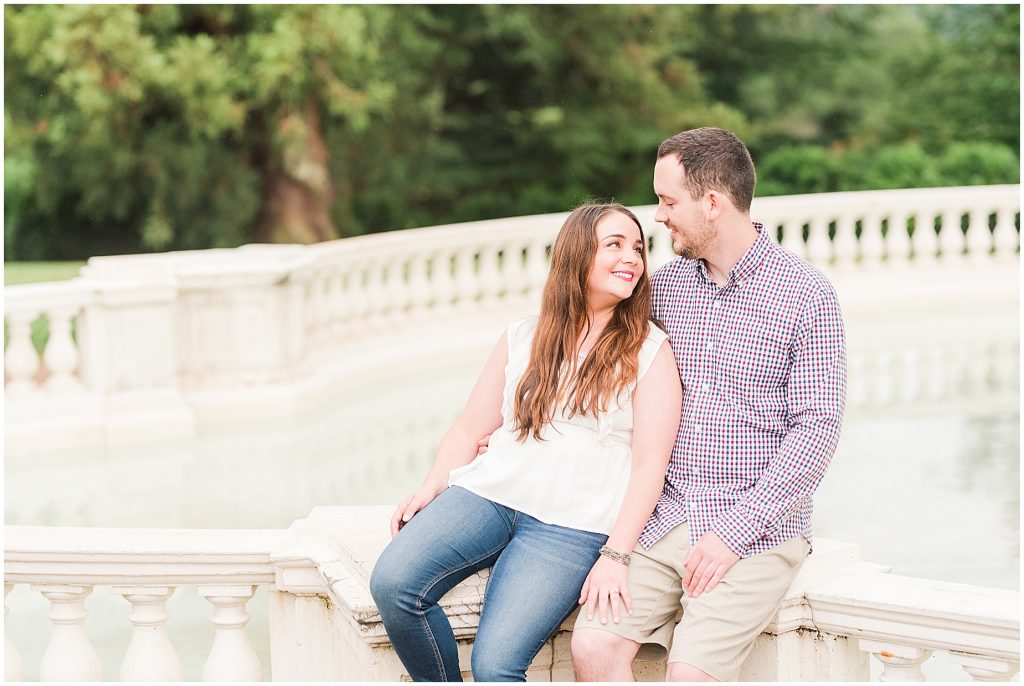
<point x="660" y="216"/>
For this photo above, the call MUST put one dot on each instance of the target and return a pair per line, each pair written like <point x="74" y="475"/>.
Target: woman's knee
<point x="492" y="665"/>
<point x="389" y="581"/>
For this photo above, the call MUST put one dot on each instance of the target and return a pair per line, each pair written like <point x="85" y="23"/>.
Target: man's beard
<point x="694" y="247"/>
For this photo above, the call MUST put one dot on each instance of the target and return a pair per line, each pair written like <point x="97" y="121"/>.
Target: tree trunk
<point x="297" y="184"/>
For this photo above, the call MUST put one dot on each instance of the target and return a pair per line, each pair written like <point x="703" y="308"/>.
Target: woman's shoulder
<point x="522" y="327"/>
<point x="519" y="333"/>
<point x="656" y="335"/>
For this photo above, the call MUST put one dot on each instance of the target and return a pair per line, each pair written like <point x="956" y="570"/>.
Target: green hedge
<point x="816" y="169"/>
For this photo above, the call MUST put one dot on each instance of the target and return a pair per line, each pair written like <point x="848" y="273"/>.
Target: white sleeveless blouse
<point x="577" y="476"/>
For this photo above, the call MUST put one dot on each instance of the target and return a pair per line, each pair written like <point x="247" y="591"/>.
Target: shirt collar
<point x="747" y="264"/>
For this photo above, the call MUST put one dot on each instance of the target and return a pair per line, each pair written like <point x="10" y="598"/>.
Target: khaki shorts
<point x="718" y="629"/>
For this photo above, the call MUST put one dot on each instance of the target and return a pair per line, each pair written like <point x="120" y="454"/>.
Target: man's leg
<point x="605" y="652"/>
<point x="718" y="628"/>
<point x="680" y="671"/>
<point x="602" y="656"/>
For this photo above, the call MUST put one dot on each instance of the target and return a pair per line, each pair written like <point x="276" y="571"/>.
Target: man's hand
<point x="408" y="508"/>
<point x="605" y="586"/>
<point x="706" y="563"/>
<point x="481" y="445"/>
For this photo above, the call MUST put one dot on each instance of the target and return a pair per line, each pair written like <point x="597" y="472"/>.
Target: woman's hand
<point x="413" y="504"/>
<point x="605" y="586"/>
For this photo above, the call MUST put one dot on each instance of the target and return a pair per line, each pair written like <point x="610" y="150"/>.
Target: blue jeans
<point x="539" y="570"/>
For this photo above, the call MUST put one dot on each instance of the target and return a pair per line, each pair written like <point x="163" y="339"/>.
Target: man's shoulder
<point x="670" y="273"/>
<point x="804" y="276"/>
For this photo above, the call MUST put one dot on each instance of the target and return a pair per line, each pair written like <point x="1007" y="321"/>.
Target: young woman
<point x="582" y="404"/>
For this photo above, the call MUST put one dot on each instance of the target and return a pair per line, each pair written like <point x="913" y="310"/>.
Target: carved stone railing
<point x="324" y="626"/>
<point x="145" y="566"/>
<point x="165" y="341"/>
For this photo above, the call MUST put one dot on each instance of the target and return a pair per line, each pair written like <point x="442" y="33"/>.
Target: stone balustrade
<point x="165" y="342"/>
<point x="145" y="566"/>
<point x="324" y="626"/>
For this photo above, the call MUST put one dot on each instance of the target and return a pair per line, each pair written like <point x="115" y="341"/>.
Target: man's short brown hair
<point x="713" y="158"/>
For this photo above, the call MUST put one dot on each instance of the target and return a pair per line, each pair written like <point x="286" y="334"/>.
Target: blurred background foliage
<point x="164" y="127"/>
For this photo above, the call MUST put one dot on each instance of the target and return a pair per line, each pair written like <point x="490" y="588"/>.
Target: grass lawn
<point x="33" y="272"/>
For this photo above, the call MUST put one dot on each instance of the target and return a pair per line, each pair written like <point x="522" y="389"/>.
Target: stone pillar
<point x="129" y="355"/>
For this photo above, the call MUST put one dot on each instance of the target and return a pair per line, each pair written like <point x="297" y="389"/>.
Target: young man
<point x="759" y="341"/>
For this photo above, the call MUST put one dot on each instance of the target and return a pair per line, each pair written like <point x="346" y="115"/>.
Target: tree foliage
<point x="157" y="127"/>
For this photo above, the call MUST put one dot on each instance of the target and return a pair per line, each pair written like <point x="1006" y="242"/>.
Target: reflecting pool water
<point x="933" y="492"/>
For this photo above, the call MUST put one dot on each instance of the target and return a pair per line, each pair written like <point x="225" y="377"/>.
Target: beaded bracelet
<point x="615" y="555"/>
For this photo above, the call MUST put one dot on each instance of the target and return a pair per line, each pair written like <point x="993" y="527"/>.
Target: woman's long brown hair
<point x="552" y="375"/>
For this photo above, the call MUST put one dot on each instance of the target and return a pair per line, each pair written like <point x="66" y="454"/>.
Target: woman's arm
<point x="656" y="408"/>
<point x="480" y="416"/>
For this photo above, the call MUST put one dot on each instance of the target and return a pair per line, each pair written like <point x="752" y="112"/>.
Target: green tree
<point x="157" y="127"/>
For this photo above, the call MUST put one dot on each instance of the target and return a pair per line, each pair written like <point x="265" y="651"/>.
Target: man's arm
<point x="816" y="398"/>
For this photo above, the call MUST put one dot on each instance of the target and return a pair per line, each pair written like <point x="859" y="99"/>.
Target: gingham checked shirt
<point x="763" y="365"/>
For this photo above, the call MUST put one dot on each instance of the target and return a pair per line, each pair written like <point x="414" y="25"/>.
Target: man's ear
<point x="713" y="204"/>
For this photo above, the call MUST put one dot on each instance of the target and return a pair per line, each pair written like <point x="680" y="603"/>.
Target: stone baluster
<point x="1005" y="237"/>
<point x="419" y="289"/>
<point x="926" y="241"/>
<point x="1006" y="367"/>
<point x="881" y="374"/>
<point x="872" y="242"/>
<point x="858" y="384"/>
<point x="979" y="238"/>
<point x="979" y="369"/>
<point x="232" y="657"/>
<point x="951" y="236"/>
<point x="537" y="265"/>
<point x="985" y="668"/>
<point x="61" y="354"/>
<point x="938" y="374"/>
<point x="793" y="238"/>
<point x="515" y="270"/>
<point x="491" y="282"/>
<point x="12" y="658"/>
<point x="845" y="242"/>
<point x="69" y="655"/>
<point x="897" y="239"/>
<point x="335" y="302"/>
<point x="357" y="296"/>
<point x="961" y="370"/>
<point x="315" y="300"/>
<point x="150" y="655"/>
<point x="467" y="286"/>
<point x="21" y="362"/>
<point x="398" y="295"/>
<point x="375" y="296"/>
<point x="819" y="247"/>
<point x="441" y="277"/>
<point x="899" y="662"/>
<point x="910" y="376"/>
